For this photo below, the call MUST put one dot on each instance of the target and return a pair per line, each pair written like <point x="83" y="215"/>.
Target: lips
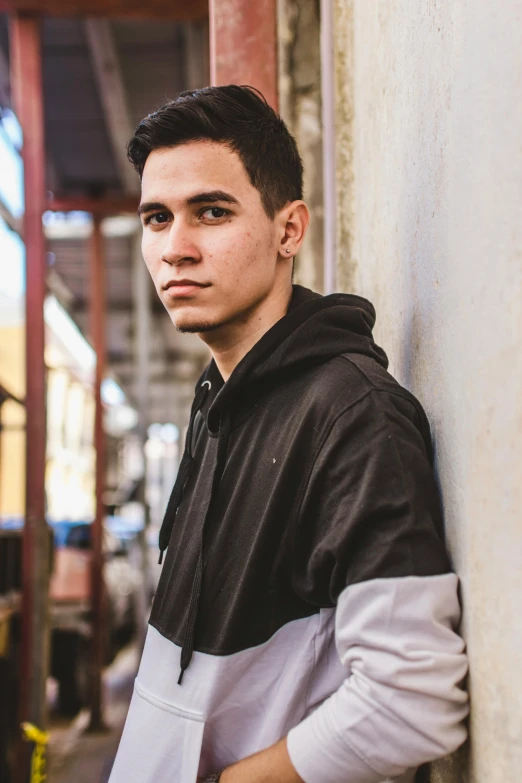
<point x="182" y="284"/>
<point x="176" y="288"/>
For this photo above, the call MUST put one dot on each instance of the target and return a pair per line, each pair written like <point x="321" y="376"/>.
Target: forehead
<point x="179" y="172"/>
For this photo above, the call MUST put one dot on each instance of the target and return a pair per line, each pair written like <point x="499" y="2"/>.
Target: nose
<point x="180" y="246"/>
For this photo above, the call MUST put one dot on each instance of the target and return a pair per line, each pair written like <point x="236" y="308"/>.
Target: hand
<point x="264" y="767"/>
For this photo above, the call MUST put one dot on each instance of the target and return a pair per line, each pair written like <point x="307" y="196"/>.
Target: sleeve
<point x="369" y="542"/>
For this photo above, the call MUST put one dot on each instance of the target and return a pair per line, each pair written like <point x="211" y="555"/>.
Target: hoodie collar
<point x="314" y="330"/>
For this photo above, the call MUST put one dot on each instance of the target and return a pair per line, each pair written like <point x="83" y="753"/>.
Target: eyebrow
<point x="209" y="197"/>
<point x="149" y="206"/>
<point x="212" y="196"/>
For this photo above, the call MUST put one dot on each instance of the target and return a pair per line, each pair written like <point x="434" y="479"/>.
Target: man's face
<point x="209" y="245"/>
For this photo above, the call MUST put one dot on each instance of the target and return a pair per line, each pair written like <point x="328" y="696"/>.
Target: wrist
<point x="214" y="778"/>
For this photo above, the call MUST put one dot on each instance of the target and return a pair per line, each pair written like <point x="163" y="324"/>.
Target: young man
<point x="304" y="627"/>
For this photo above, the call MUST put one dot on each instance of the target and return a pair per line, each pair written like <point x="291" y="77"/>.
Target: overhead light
<point x="12" y="128"/>
<point x="12" y="262"/>
<point x="120" y="226"/>
<point x="169" y="433"/>
<point x="120" y="419"/>
<point x="67" y="225"/>
<point x="111" y="393"/>
<point x="12" y="179"/>
<point x="64" y="328"/>
<point x="154" y="431"/>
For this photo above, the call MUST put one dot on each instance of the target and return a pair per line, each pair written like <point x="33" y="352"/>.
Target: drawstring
<point x="187" y="461"/>
<point x="183" y="473"/>
<point x="187" y="648"/>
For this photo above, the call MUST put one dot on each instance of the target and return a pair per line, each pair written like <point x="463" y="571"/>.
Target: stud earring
<point x="287" y="249"/>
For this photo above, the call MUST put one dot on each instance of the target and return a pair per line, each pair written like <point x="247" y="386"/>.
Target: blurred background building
<point x="408" y="119"/>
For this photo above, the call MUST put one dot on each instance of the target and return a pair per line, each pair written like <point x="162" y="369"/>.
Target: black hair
<point x="241" y="118"/>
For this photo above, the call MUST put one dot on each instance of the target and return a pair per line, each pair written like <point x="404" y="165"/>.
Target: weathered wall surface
<point x="429" y="138"/>
<point x="300" y="107"/>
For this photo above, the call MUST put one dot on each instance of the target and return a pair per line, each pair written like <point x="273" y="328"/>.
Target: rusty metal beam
<point x="102" y="207"/>
<point x="112" y="93"/>
<point x="243" y="44"/>
<point x="165" y="10"/>
<point x="98" y="336"/>
<point x="26" y="76"/>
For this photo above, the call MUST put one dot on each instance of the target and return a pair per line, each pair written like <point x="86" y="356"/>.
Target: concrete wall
<point x="429" y="155"/>
<point x="300" y="106"/>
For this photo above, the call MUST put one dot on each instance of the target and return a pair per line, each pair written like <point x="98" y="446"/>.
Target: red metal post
<point x="97" y="322"/>
<point x="243" y="44"/>
<point x="26" y="78"/>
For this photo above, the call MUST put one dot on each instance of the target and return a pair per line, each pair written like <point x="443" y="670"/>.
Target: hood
<point x="314" y="330"/>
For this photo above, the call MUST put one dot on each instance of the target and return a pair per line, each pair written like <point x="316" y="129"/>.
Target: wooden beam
<point x="164" y="10"/>
<point x="243" y="45"/>
<point x="126" y="205"/>
<point x="112" y="93"/>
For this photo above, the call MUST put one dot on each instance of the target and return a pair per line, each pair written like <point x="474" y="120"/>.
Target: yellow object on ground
<point x="39" y="758"/>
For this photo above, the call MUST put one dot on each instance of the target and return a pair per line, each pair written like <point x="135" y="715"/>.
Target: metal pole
<point x="243" y="44"/>
<point x="26" y="76"/>
<point x="141" y="297"/>
<point x="97" y="323"/>
<point x="329" y="163"/>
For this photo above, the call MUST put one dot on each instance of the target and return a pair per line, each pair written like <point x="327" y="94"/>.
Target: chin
<point x="192" y="323"/>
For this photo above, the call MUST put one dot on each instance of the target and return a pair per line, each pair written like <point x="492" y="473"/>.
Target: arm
<point x="401" y="703"/>
<point x="369" y="542"/>
<point x="377" y="552"/>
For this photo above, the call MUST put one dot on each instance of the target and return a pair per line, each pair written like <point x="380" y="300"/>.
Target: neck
<point x="233" y="341"/>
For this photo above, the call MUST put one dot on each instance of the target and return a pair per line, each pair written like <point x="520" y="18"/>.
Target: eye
<point x="158" y="219"/>
<point x="214" y="213"/>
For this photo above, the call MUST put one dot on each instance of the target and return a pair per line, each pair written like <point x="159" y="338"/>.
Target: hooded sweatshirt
<point x="306" y="591"/>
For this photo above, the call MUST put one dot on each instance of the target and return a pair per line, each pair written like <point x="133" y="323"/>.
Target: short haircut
<point x="239" y="117"/>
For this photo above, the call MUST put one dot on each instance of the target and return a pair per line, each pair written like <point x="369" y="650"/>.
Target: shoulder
<point x="356" y="385"/>
<point x="348" y="378"/>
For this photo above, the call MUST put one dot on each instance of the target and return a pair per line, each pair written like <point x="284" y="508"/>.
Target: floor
<point x="78" y="756"/>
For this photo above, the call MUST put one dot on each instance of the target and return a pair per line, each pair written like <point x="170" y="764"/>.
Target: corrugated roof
<point x="76" y="134"/>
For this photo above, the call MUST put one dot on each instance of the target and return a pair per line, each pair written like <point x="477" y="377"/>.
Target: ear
<point x="293" y="222"/>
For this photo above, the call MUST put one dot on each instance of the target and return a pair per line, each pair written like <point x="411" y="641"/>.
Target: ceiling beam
<point x="5" y="86"/>
<point x="112" y="93"/>
<point x="102" y="206"/>
<point x="164" y="10"/>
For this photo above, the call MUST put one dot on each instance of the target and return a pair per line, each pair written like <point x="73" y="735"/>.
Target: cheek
<point x="238" y="252"/>
<point x="256" y="257"/>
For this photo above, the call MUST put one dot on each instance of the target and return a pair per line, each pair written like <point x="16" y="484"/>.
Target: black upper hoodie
<point x="306" y="591"/>
<point x="307" y="471"/>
